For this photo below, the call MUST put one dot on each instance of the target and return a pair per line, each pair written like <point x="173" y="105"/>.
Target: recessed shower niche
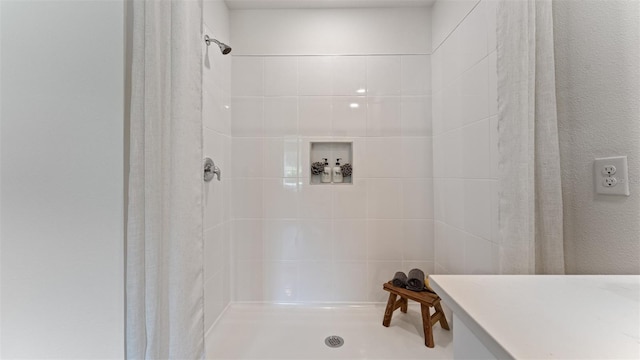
<point x="331" y="162"/>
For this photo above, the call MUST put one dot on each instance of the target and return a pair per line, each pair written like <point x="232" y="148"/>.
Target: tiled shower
<point x="419" y="116"/>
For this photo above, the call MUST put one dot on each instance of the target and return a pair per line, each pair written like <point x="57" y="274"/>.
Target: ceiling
<point x="324" y="4"/>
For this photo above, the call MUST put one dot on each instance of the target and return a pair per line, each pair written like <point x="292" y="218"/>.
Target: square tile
<point x="247" y="117"/>
<point x="383" y="75"/>
<point x="418" y="243"/>
<point x="417" y="157"/>
<point x="417" y="199"/>
<point x="349" y="75"/>
<point x="350" y="240"/>
<point x="314" y="118"/>
<point x="416" y="74"/>
<point x="315" y="75"/>
<point x="384" y="199"/>
<point x="246" y="157"/>
<point x="384" y="240"/>
<point x="349" y="116"/>
<point x="416" y="116"/>
<point x="384" y="116"/>
<point x="247" y="73"/>
<point x="280" y="116"/>
<point x="281" y="76"/>
<point x="280" y="198"/>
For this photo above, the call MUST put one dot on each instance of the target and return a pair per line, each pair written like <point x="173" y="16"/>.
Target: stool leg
<point x="426" y="325"/>
<point x="405" y="302"/>
<point x="443" y="320"/>
<point x="388" y="312"/>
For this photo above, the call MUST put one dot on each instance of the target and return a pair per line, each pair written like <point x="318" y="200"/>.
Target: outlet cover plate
<point x="603" y="181"/>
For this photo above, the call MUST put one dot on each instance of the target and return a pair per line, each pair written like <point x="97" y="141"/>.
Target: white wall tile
<point x="492" y="67"/>
<point x="493" y="143"/>
<point x="245" y="274"/>
<point x="417" y="157"/>
<point x="349" y="76"/>
<point x="280" y="281"/>
<point x="380" y="272"/>
<point x="350" y="281"/>
<point x="474" y="93"/>
<point x="280" y="116"/>
<point x="246" y="162"/>
<point x="417" y="240"/>
<point x="416" y="116"/>
<point x="279" y="158"/>
<point x="281" y="240"/>
<point x="481" y="256"/>
<point x="315" y="76"/>
<point x="384" y="116"/>
<point x="350" y="240"/>
<point x="280" y="76"/>
<point x="314" y="118"/>
<point x="314" y="239"/>
<point x="452" y="202"/>
<point x="437" y="106"/>
<point x="248" y="76"/>
<point x="315" y="201"/>
<point x="417" y="199"/>
<point x="247" y="198"/>
<point x="350" y="201"/>
<point x="247" y="116"/>
<point x="473" y="37"/>
<point x="280" y="198"/>
<point x="384" y="198"/>
<point x="492" y="17"/>
<point x="246" y="240"/>
<point x="349" y="116"/>
<point x="476" y="140"/>
<point x="383" y="157"/>
<point x="436" y="71"/>
<point x="451" y="110"/>
<point x="416" y="74"/>
<point x="384" y="240"/>
<point x="426" y="266"/>
<point x="316" y="281"/>
<point x="383" y="75"/>
<point x="477" y="207"/>
<point x="456" y="253"/>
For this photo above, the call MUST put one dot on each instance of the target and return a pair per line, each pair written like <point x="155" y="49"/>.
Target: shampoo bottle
<point x="326" y="173"/>
<point x="337" y="172"/>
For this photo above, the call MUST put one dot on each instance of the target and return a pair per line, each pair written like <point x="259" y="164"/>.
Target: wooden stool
<point x="426" y="300"/>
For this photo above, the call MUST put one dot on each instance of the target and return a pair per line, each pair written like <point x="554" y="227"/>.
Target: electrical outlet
<point x="609" y="170"/>
<point x="606" y="183"/>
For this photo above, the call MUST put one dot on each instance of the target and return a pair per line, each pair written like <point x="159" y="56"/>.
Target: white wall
<point x="598" y="91"/>
<point x="331" y="31"/>
<point x="465" y="137"/>
<point x="216" y="118"/>
<point x="297" y="242"/>
<point x="62" y="179"/>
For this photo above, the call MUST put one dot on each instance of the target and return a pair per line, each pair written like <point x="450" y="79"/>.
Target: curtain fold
<point x="530" y="206"/>
<point x="164" y="266"/>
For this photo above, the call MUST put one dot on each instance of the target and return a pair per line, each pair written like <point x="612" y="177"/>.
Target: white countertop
<point x="548" y="316"/>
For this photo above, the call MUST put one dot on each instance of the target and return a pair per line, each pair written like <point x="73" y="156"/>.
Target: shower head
<point x="224" y="48"/>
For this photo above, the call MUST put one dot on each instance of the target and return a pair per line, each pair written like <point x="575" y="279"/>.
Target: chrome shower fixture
<point x="223" y="47"/>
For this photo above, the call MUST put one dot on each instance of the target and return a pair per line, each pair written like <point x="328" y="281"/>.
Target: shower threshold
<point x="278" y="331"/>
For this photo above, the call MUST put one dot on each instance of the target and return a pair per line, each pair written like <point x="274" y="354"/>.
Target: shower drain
<point x="334" y="341"/>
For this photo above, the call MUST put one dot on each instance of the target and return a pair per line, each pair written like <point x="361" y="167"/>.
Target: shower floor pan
<point x="274" y="331"/>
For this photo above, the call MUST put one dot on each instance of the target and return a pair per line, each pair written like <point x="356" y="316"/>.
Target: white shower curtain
<point x="530" y="207"/>
<point x="164" y="285"/>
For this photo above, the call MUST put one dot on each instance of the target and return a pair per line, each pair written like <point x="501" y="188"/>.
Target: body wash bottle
<point x="326" y="173"/>
<point x="337" y="172"/>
